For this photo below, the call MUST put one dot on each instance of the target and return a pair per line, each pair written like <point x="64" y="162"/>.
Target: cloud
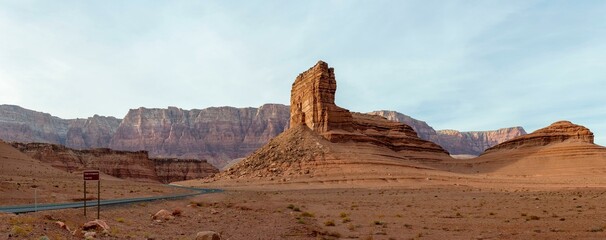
<point x="460" y="65"/>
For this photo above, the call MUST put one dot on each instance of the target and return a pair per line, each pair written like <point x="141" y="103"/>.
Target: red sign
<point x="91" y="175"/>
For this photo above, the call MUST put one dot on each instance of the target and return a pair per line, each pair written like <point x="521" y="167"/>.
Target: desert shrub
<point x="177" y="212"/>
<point x="329" y="223"/>
<point x="120" y="220"/>
<point x="291" y="206"/>
<point x="307" y="214"/>
<point x="21" y="231"/>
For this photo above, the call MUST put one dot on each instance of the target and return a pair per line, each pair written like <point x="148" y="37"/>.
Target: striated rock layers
<point x="218" y="134"/>
<point x="326" y="140"/>
<point x="562" y="131"/>
<point x="22" y="125"/>
<point x="175" y="169"/>
<point x="121" y="164"/>
<point x="455" y="142"/>
<point x="476" y="142"/>
<point x="312" y="103"/>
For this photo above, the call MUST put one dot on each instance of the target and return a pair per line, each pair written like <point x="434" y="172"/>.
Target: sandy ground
<point x="562" y="201"/>
<point x="416" y="209"/>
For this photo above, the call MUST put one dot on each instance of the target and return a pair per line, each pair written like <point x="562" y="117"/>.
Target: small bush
<point x="291" y="206"/>
<point x="346" y="220"/>
<point x="307" y="214"/>
<point x="329" y="223"/>
<point x="533" y="217"/>
<point x="177" y="212"/>
<point x="120" y="220"/>
<point x="21" y="231"/>
<point x="343" y="215"/>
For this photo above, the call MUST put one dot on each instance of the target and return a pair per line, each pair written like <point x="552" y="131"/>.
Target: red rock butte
<point x="312" y="103"/>
<point x="324" y="139"/>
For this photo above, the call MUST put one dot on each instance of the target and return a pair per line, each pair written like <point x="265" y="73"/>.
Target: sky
<point x="465" y="65"/>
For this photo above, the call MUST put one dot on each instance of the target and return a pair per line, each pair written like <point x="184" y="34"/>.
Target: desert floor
<point x="418" y="208"/>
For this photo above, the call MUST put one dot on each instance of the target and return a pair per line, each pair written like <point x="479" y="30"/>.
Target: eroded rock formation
<point x="217" y="134"/>
<point x="312" y="104"/>
<point x="455" y="142"/>
<point x="174" y="169"/>
<point x="121" y="164"/>
<point x="326" y="140"/>
<point x="555" y="133"/>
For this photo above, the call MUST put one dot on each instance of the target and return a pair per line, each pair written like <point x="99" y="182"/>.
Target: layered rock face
<point x="312" y="101"/>
<point x="476" y="142"/>
<point x="218" y="134"/>
<point x="173" y="169"/>
<point x="22" y="125"/>
<point x="562" y="131"/>
<point x="312" y="104"/>
<point x="93" y="132"/>
<point x="121" y="164"/>
<point x="455" y="142"/>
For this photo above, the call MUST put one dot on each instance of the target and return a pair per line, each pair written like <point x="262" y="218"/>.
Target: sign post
<point x="91" y="175"/>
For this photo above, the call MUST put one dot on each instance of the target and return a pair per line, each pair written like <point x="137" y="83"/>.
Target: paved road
<point x="93" y="203"/>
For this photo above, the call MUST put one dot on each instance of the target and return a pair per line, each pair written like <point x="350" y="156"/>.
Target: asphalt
<point x="93" y="203"/>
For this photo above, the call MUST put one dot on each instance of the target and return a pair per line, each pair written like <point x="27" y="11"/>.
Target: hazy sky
<point x="466" y="65"/>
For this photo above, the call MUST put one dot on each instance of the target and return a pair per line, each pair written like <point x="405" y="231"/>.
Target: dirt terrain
<point x="434" y="207"/>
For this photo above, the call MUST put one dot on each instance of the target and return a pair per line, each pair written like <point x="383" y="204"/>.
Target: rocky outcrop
<point x="121" y="164"/>
<point x="174" y="169"/>
<point x="218" y="134"/>
<point x="312" y="104"/>
<point x="555" y="133"/>
<point x="22" y="125"/>
<point x="455" y="142"/>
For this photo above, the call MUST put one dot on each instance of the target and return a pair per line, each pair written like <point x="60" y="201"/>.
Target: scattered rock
<point x="62" y="225"/>
<point x="90" y="235"/>
<point x="95" y="225"/>
<point x="163" y="215"/>
<point x="208" y="235"/>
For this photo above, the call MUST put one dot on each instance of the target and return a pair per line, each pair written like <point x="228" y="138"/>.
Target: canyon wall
<point x="121" y="164"/>
<point x="455" y="142"/>
<point x="218" y="134"/>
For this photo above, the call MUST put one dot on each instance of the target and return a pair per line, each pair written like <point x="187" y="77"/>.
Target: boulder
<point x="208" y="235"/>
<point x="97" y="225"/>
<point x="163" y="215"/>
<point x="62" y="225"/>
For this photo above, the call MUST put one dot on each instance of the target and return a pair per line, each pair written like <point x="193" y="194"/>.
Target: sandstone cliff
<point x="121" y="164"/>
<point x="22" y="125"/>
<point x="174" y="169"/>
<point x="455" y="142"/>
<point x="218" y="134"/>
